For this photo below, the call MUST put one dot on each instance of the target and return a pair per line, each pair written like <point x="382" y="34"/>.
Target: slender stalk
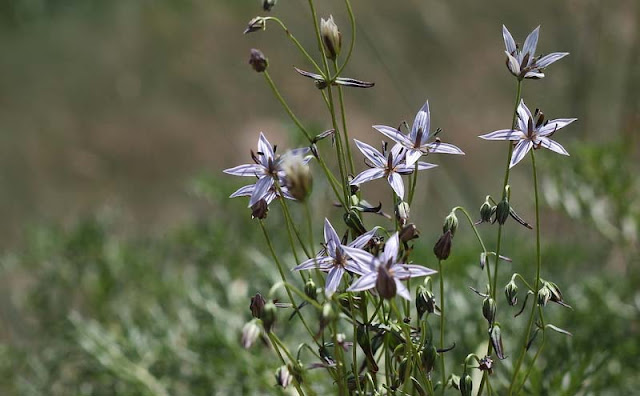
<point x="442" y="365"/>
<point x="291" y="226"/>
<point x="274" y="343"/>
<point x="535" y="357"/>
<point x="347" y="141"/>
<point x="414" y="179"/>
<point x="475" y="231"/>
<point x="297" y="44"/>
<point x="352" y="21"/>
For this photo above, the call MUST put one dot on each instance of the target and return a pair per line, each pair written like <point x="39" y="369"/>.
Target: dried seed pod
<point x="258" y="61"/>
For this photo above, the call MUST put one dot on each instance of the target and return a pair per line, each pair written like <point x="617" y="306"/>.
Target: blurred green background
<point x="124" y="264"/>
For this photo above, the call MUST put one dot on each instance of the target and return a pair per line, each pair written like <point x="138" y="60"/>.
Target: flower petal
<point x="245" y="191"/>
<point x="365" y="259"/>
<point x="425" y="165"/>
<point x="255" y="170"/>
<point x="312" y="263"/>
<point x="421" y="122"/>
<point x="367" y="175"/>
<point x="394" y="134"/>
<point x="503" y="134"/>
<point x="391" y="247"/>
<point x="509" y="43"/>
<point x="371" y="153"/>
<point x="330" y="234"/>
<point x="536" y="75"/>
<point x="417" y="270"/>
<point x="365" y="282"/>
<point x="395" y="180"/>
<point x="412" y="156"/>
<point x="550" y="58"/>
<point x="401" y="290"/>
<point x="333" y="280"/>
<point x="513" y="64"/>
<point x="261" y="189"/>
<point x="521" y="149"/>
<point x="554" y="125"/>
<point x="552" y="145"/>
<point x="524" y="113"/>
<point x="531" y="43"/>
<point x="265" y="148"/>
<point x="443" y="148"/>
<point x="363" y="239"/>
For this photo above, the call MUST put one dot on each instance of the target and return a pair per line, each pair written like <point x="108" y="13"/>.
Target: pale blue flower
<point x="523" y="63"/>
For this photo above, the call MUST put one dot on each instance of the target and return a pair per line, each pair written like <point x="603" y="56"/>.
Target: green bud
<point x="486" y="211"/>
<point x="310" y="289"/>
<point x="425" y="301"/>
<point x="450" y="223"/>
<point x="502" y="211"/>
<point x="489" y="310"/>
<point x="269" y="315"/>
<point x="511" y="292"/>
<point x="428" y="357"/>
<point x="544" y="295"/>
<point x="466" y="385"/>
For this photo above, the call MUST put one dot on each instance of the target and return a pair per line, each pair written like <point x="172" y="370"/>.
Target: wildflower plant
<point x="361" y="329"/>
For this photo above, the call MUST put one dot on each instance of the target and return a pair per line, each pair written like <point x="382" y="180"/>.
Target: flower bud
<point x="353" y="221"/>
<point x="257" y="305"/>
<point x="297" y="177"/>
<point x="428" y="357"/>
<point x="489" y="310"/>
<point x="255" y="24"/>
<point x="511" y="292"/>
<point x="409" y="232"/>
<point x="425" y="301"/>
<point x="250" y="333"/>
<point x="310" y="289"/>
<point x="486" y="211"/>
<point x="486" y="364"/>
<point x="385" y="284"/>
<point x="495" y="335"/>
<point x="466" y="385"/>
<point x="269" y="316"/>
<point x="450" y="223"/>
<point x="502" y="211"/>
<point x="402" y="212"/>
<point x="267" y="5"/>
<point x="544" y="295"/>
<point x="259" y="210"/>
<point x="258" y="61"/>
<point x="328" y="315"/>
<point x="331" y="37"/>
<point x="442" y="248"/>
<point x="283" y="376"/>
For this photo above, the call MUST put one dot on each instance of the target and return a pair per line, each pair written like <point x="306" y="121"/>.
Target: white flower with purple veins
<point x="417" y="142"/>
<point x="532" y="131"/>
<point x="522" y="63"/>
<point x="390" y="165"/>
<point x="385" y="273"/>
<point x="334" y="260"/>
<point x="267" y="167"/>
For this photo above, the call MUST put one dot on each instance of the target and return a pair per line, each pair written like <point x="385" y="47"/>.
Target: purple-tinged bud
<point x="269" y="315"/>
<point x="310" y="289"/>
<point x="450" y="223"/>
<point x="495" y="335"/>
<point x="489" y="310"/>
<point x="328" y="315"/>
<point x="267" y="5"/>
<point x="283" y="376"/>
<point x="259" y="210"/>
<point x="257" y="305"/>
<point x="466" y="385"/>
<point x="331" y="37"/>
<point x="486" y="211"/>
<point x="250" y="333"/>
<point x="255" y="24"/>
<point x="385" y="284"/>
<point x="502" y="211"/>
<point x="258" y="61"/>
<point x="409" y="232"/>
<point x="511" y="292"/>
<point x="402" y="212"/>
<point x="442" y="248"/>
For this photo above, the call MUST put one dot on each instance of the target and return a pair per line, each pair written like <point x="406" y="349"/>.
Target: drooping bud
<point x="352" y="220"/>
<point x="331" y="37"/>
<point x="298" y="177"/>
<point x="267" y="5"/>
<point x="450" y="223"/>
<point x="255" y="24"/>
<point x="258" y="61"/>
<point x="489" y="310"/>
<point x="544" y="295"/>
<point x="250" y="333"/>
<point x="556" y="294"/>
<point x="466" y="385"/>
<point x="259" y="210"/>
<point x="486" y="211"/>
<point x="502" y="211"/>
<point x="269" y="316"/>
<point x="402" y="212"/>
<point x="428" y="357"/>
<point x="511" y="292"/>
<point x="425" y="301"/>
<point x="283" y="376"/>
<point x="495" y="335"/>
<point x="385" y="284"/>
<point x="442" y="248"/>
<point x="310" y="289"/>
<point x="257" y="305"/>
<point x="328" y="315"/>
<point x="409" y="232"/>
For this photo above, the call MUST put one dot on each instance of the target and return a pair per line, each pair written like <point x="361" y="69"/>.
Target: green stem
<point x="442" y="365"/>
<point x="275" y="344"/>
<point x="344" y="123"/>
<point x="414" y="179"/>
<point x="291" y="226"/>
<point x="352" y="21"/>
<point x="297" y="43"/>
<point x="475" y="231"/>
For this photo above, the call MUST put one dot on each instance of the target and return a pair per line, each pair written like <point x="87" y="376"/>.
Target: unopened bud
<point x="409" y="232"/>
<point x="331" y="37"/>
<point x="352" y="220"/>
<point x="259" y="210"/>
<point x="544" y="295"/>
<point x="258" y="61"/>
<point x="486" y="211"/>
<point x="425" y="301"/>
<point x="402" y="212"/>
<point x="298" y="177"/>
<point x="255" y="24"/>
<point x="269" y="314"/>
<point x="250" y="333"/>
<point x="328" y="315"/>
<point x="385" y="284"/>
<point x="502" y="211"/>
<point x="450" y="223"/>
<point x="466" y="385"/>
<point x="267" y="5"/>
<point x="310" y="289"/>
<point x="495" y="335"/>
<point x="442" y="248"/>
<point x="489" y="310"/>
<point x="511" y="292"/>
<point x="428" y="358"/>
<point x="257" y="305"/>
<point x="283" y="376"/>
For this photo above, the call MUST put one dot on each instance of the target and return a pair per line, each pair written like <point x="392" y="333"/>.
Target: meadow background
<point x="124" y="267"/>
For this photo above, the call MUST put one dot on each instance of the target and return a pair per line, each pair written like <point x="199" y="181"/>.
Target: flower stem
<point x="475" y="231"/>
<point x="442" y="365"/>
<point x="414" y="179"/>
<point x="344" y="122"/>
<point x="297" y="44"/>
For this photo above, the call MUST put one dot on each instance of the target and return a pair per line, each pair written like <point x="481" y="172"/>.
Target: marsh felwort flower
<point x="267" y="167"/>
<point x="522" y="63"/>
<point x="385" y="273"/>
<point x="532" y="131"/>
<point x="387" y="164"/>
<point x="334" y="260"/>
<point x="417" y="141"/>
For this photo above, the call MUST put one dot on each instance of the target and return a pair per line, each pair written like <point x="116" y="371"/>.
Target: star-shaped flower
<point x="417" y="142"/>
<point x="267" y="167"/>
<point x="385" y="273"/>
<point x="390" y="165"/>
<point x="334" y="260"/>
<point x="532" y="131"/>
<point x="523" y="63"/>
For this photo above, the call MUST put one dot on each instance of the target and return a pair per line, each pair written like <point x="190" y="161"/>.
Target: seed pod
<point x="269" y="316"/>
<point x="257" y="305"/>
<point x="502" y="211"/>
<point x="259" y="210"/>
<point x="331" y="37"/>
<point x="511" y="292"/>
<point x="258" y="61"/>
<point x="442" y="248"/>
<point x="489" y="310"/>
<point x="428" y="358"/>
